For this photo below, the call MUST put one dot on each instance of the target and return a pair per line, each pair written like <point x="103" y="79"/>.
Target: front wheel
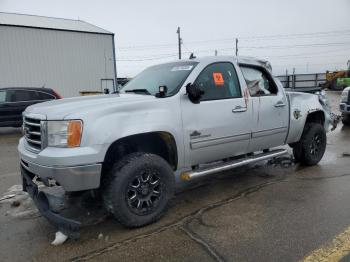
<point x="138" y="189"/>
<point x="312" y="145"/>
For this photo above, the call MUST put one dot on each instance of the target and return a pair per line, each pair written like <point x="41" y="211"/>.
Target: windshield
<point x="171" y="75"/>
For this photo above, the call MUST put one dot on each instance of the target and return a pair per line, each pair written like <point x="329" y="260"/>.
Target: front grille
<point x="32" y="132"/>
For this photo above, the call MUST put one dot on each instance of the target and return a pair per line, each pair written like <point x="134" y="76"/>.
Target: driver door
<point x="219" y="126"/>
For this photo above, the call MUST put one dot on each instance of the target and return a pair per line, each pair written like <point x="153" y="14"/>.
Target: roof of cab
<point x="239" y="59"/>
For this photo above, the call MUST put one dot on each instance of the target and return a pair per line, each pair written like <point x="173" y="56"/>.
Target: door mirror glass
<point x="194" y="93"/>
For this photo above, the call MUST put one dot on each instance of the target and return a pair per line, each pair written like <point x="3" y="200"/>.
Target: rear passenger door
<point x="271" y="113"/>
<point x="219" y="126"/>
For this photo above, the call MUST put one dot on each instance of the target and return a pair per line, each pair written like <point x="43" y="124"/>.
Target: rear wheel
<point x="138" y="189"/>
<point x="312" y="145"/>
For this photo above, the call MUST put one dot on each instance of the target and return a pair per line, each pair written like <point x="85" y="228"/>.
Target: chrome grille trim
<point x="32" y="124"/>
<point x="33" y="141"/>
<point x="33" y="131"/>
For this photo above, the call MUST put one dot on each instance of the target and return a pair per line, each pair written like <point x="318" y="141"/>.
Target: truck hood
<point x="62" y="108"/>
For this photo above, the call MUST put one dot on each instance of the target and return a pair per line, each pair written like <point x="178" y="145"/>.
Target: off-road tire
<point x="116" y="187"/>
<point x="346" y="119"/>
<point x="312" y="145"/>
<point x="297" y="152"/>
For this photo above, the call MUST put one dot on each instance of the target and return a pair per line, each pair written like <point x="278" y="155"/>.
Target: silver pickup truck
<point x="175" y="121"/>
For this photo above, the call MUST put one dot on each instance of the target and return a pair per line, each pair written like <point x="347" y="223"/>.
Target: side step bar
<point x="232" y="164"/>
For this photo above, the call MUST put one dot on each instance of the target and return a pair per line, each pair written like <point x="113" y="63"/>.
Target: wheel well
<point x="316" y="117"/>
<point x="159" y="143"/>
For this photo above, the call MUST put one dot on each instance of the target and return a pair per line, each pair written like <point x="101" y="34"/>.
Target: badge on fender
<point x="297" y="114"/>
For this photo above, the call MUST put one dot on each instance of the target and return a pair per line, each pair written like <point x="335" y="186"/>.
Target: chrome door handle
<point x="239" y="109"/>
<point x="280" y="104"/>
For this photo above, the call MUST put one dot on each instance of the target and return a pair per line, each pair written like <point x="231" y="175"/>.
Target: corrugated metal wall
<point x="68" y="62"/>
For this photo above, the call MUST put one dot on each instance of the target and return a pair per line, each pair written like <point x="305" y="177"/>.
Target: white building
<point x="68" y="56"/>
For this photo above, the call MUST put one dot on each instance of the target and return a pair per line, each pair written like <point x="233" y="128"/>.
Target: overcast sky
<point x="310" y="35"/>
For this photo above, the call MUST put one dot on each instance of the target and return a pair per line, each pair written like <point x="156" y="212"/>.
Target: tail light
<point x="57" y="95"/>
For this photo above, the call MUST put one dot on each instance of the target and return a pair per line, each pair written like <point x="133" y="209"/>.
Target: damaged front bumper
<point x="334" y="120"/>
<point x="50" y="201"/>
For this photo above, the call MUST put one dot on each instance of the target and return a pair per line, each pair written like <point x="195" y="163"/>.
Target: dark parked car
<point x="14" y="100"/>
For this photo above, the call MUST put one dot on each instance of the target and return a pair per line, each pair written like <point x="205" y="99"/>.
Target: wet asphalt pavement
<point x="263" y="212"/>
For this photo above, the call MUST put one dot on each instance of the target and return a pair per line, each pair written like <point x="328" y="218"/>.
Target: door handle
<point x="280" y="104"/>
<point x="239" y="109"/>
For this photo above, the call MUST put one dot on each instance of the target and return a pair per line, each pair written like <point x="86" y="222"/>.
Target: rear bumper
<point x="48" y="204"/>
<point x="344" y="108"/>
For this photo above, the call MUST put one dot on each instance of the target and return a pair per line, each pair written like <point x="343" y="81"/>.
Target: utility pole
<point x="293" y="79"/>
<point x="216" y="52"/>
<point x="236" y="46"/>
<point x="179" y="41"/>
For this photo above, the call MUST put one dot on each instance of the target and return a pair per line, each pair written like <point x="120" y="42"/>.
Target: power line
<point x="315" y="34"/>
<point x="317" y="45"/>
<point x="319" y="64"/>
<point x="146" y="58"/>
<point x="312" y="53"/>
<point x="261" y="37"/>
<point x="171" y="55"/>
<point x="295" y="46"/>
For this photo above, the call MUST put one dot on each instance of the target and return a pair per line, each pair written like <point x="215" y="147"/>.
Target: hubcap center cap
<point x="144" y="190"/>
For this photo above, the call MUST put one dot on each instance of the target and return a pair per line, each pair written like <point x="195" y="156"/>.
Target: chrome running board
<point x="232" y="164"/>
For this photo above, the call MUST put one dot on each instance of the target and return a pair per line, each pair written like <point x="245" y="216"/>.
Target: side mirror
<point x="194" y="93"/>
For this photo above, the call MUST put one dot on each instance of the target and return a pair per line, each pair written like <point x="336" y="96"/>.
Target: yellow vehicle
<point x="332" y="78"/>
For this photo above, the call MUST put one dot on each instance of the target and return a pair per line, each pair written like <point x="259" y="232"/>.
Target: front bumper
<point x="344" y="108"/>
<point x="48" y="205"/>
<point x="75" y="178"/>
<point x="63" y="166"/>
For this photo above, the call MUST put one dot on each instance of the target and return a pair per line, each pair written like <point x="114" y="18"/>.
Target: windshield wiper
<point x="144" y="91"/>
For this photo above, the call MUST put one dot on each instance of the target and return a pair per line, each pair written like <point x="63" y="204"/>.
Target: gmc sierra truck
<point x="174" y="121"/>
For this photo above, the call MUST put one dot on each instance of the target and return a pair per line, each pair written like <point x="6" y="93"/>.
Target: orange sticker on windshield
<point x="218" y="79"/>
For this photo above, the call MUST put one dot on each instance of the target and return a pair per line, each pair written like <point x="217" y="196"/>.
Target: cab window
<point x="258" y="82"/>
<point x="219" y="81"/>
<point x="44" y="96"/>
<point x="24" y="95"/>
<point x="2" y="96"/>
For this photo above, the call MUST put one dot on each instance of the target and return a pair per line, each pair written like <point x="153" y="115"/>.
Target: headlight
<point x="344" y="96"/>
<point x="64" y="133"/>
